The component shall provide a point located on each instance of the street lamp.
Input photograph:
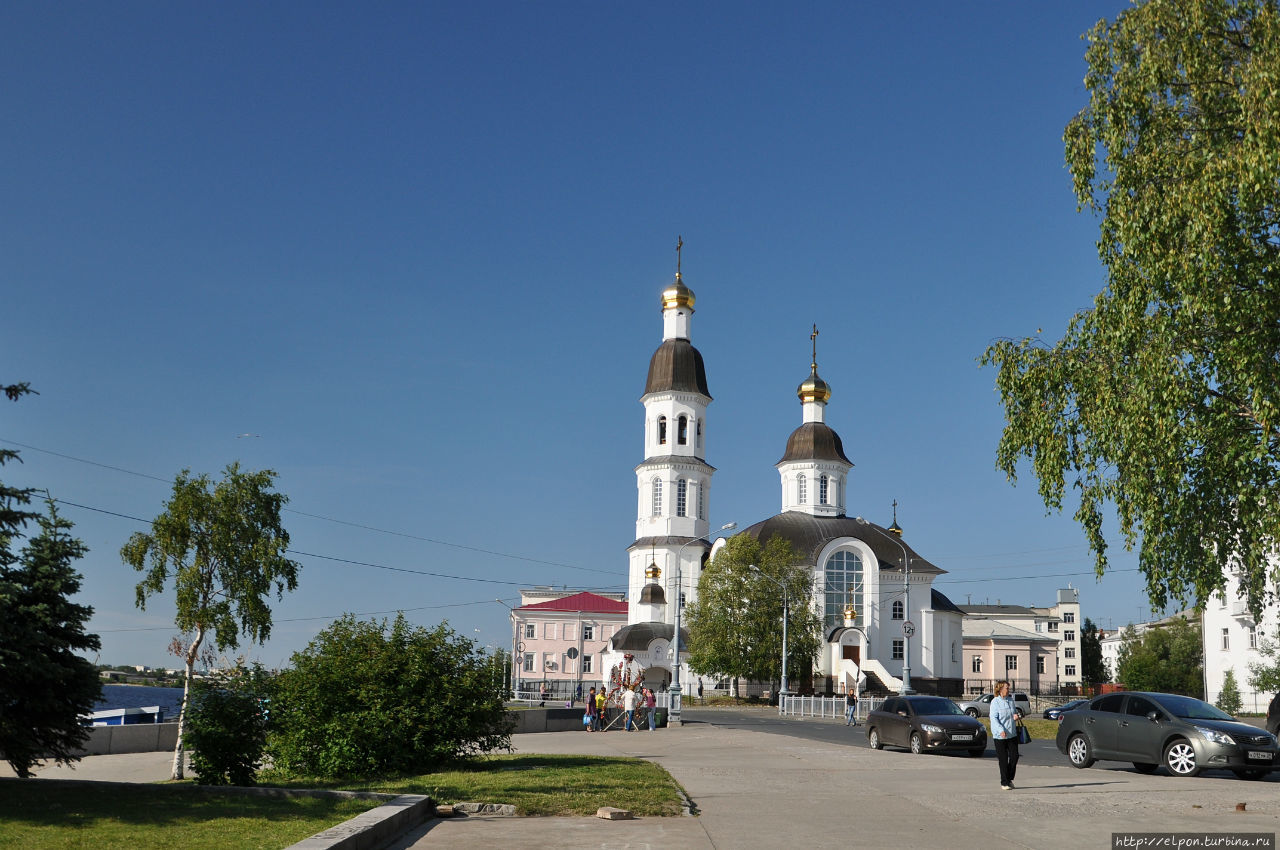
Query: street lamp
(906, 568)
(515, 684)
(786, 606)
(674, 718)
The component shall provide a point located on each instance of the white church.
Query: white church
(900, 625)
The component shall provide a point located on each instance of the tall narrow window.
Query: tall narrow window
(1040, 664)
(682, 497)
(898, 609)
(840, 492)
(898, 650)
(657, 497)
(699, 431)
(1011, 662)
(662, 430)
(822, 489)
(1253, 637)
(977, 663)
(802, 494)
(1226, 638)
(682, 430)
(588, 632)
(586, 664)
(701, 511)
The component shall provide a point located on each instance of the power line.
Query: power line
(308, 619)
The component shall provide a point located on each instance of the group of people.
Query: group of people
(593, 719)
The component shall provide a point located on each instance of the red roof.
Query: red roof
(584, 601)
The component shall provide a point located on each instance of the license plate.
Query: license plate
(1261, 756)
(970, 738)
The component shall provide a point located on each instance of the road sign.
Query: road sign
(908, 628)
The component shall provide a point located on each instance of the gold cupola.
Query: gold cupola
(677, 294)
(814, 388)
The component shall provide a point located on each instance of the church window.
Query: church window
(802, 495)
(657, 497)
(701, 512)
(898, 609)
(977, 664)
(899, 650)
(682, 600)
(682, 497)
(822, 490)
(682, 430)
(954, 657)
(662, 430)
(699, 430)
(840, 492)
(842, 578)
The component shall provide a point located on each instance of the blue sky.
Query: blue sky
(417, 249)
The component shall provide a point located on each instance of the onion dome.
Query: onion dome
(677, 295)
(653, 594)
(678, 366)
(814, 388)
(895, 528)
(653, 572)
(815, 441)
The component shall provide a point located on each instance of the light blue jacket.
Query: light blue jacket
(1002, 718)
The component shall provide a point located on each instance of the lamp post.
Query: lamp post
(786, 611)
(673, 716)
(906, 570)
(515, 687)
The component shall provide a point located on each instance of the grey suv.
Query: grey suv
(981, 707)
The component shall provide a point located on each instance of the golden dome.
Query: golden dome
(677, 295)
(814, 388)
(653, 571)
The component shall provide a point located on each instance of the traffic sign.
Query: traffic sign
(908, 628)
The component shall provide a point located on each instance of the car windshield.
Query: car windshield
(935, 705)
(1192, 709)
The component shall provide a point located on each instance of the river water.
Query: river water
(138, 696)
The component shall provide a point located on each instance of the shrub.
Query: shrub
(226, 727)
(365, 699)
(1229, 699)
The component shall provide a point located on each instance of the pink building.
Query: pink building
(560, 638)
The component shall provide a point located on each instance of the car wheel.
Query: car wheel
(873, 739)
(917, 743)
(972, 712)
(1145, 767)
(1180, 758)
(1251, 773)
(977, 753)
(1080, 751)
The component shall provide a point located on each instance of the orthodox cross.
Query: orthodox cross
(679, 245)
(814, 336)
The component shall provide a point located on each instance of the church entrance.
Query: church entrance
(659, 679)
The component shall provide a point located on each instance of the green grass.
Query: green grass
(44, 814)
(1040, 729)
(534, 784)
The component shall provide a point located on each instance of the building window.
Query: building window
(954, 657)
(530, 631)
(1226, 639)
(1053, 626)
(586, 664)
(662, 430)
(682, 497)
(898, 652)
(528, 662)
(822, 489)
(1070, 670)
(1039, 626)
(1253, 637)
(802, 492)
(977, 664)
(1011, 662)
(1040, 664)
(842, 578)
(657, 497)
(1069, 635)
(682, 600)
(549, 631)
(1069, 617)
(1069, 652)
(698, 430)
(682, 430)
(701, 513)
(898, 610)
(588, 632)
(840, 492)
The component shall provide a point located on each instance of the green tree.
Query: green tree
(1167, 657)
(363, 699)
(1264, 675)
(735, 627)
(1092, 668)
(1163, 399)
(227, 725)
(224, 547)
(45, 686)
(1229, 699)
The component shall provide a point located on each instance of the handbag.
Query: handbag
(1024, 737)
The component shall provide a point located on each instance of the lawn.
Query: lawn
(44, 814)
(534, 784)
(1040, 729)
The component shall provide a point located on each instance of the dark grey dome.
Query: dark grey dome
(653, 594)
(677, 365)
(637, 636)
(809, 534)
(815, 441)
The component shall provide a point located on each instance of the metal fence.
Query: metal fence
(833, 707)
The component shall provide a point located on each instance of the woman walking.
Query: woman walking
(851, 706)
(1004, 730)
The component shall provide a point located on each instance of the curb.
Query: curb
(373, 828)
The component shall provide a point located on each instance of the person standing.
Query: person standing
(651, 706)
(1004, 731)
(699, 690)
(591, 710)
(851, 706)
(542, 695)
(629, 708)
(600, 710)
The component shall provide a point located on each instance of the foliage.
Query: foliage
(224, 546)
(1229, 699)
(45, 686)
(227, 721)
(364, 699)
(735, 626)
(1264, 675)
(1163, 399)
(1168, 658)
(1092, 667)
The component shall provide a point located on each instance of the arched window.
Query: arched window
(842, 578)
(977, 663)
(898, 610)
(682, 430)
(682, 497)
(657, 497)
(662, 430)
(822, 490)
(802, 494)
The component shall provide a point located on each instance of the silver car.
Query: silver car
(981, 707)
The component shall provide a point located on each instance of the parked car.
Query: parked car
(923, 723)
(1186, 735)
(1054, 712)
(981, 707)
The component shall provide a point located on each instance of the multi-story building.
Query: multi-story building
(559, 637)
(1070, 647)
(1049, 638)
(1232, 638)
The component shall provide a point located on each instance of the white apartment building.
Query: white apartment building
(1231, 640)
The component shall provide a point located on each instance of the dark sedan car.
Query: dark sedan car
(1185, 735)
(923, 723)
(1055, 712)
